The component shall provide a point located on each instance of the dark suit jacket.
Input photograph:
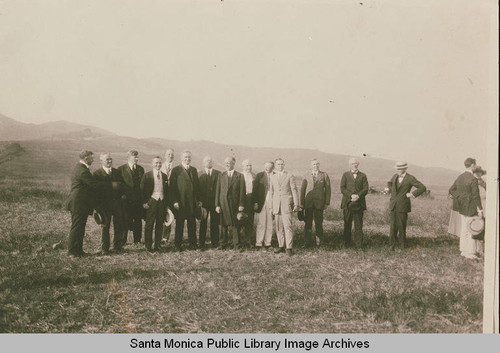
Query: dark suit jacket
(315, 194)
(207, 188)
(399, 202)
(261, 185)
(106, 194)
(148, 185)
(83, 190)
(229, 195)
(184, 189)
(132, 185)
(350, 186)
(465, 192)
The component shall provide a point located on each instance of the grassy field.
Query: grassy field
(426, 288)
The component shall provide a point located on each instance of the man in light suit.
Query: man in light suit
(400, 204)
(229, 201)
(81, 202)
(184, 187)
(110, 202)
(263, 206)
(154, 189)
(248, 226)
(467, 199)
(166, 168)
(354, 188)
(208, 183)
(285, 201)
(315, 195)
(132, 174)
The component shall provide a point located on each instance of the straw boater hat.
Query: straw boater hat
(475, 225)
(169, 219)
(99, 216)
(401, 165)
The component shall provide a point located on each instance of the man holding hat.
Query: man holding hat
(354, 187)
(81, 202)
(154, 189)
(208, 182)
(400, 204)
(465, 191)
(315, 195)
(132, 174)
(229, 202)
(110, 202)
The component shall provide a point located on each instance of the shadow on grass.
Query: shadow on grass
(334, 240)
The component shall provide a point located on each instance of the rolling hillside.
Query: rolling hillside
(60, 143)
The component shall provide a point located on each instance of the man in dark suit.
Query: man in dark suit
(354, 187)
(229, 201)
(248, 227)
(184, 189)
(263, 206)
(208, 183)
(132, 174)
(166, 168)
(315, 195)
(81, 202)
(400, 204)
(154, 189)
(110, 203)
(467, 200)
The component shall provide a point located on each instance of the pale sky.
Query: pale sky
(393, 79)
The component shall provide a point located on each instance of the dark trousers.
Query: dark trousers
(398, 225)
(115, 214)
(309, 215)
(77, 232)
(357, 217)
(230, 236)
(214, 228)
(133, 220)
(249, 227)
(155, 215)
(179, 231)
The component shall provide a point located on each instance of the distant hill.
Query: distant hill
(13, 130)
(63, 146)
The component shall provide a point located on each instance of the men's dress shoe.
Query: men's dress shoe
(73, 256)
(258, 248)
(289, 252)
(269, 248)
(103, 253)
(279, 250)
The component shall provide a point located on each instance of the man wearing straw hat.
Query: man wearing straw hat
(399, 205)
(465, 191)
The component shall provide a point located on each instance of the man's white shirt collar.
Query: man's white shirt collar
(186, 166)
(85, 164)
(131, 166)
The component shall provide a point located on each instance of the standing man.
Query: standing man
(81, 202)
(184, 189)
(315, 195)
(465, 191)
(400, 204)
(354, 188)
(248, 226)
(285, 200)
(208, 183)
(154, 186)
(166, 168)
(132, 174)
(229, 200)
(110, 201)
(263, 206)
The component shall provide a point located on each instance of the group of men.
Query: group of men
(243, 208)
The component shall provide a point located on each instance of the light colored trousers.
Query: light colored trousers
(284, 230)
(264, 221)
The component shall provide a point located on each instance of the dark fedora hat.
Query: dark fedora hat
(100, 216)
(301, 215)
(242, 217)
(201, 213)
(354, 206)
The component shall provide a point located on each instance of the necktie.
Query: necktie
(314, 177)
(158, 175)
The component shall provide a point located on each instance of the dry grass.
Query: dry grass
(427, 288)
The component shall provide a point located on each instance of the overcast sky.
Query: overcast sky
(393, 79)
